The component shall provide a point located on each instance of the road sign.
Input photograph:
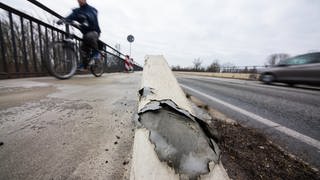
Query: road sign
(130, 38)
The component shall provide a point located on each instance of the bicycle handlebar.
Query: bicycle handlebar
(75, 24)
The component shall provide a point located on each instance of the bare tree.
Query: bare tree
(214, 66)
(274, 59)
(197, 64)
(176, 68)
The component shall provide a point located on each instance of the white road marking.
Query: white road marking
(306, 139)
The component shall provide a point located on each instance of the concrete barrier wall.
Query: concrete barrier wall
(158, 77)
(170, 142)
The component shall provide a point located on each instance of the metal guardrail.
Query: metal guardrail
(24, 39)
(225, 69)
(241, 69)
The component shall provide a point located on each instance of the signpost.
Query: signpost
(130, 38)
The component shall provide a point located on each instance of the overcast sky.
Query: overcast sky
(242, 32)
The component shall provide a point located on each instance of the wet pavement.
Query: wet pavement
(72, 129)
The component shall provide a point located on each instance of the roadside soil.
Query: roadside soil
(248, 154)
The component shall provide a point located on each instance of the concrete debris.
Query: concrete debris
(179, 138)
(136, 121)
(144, 92)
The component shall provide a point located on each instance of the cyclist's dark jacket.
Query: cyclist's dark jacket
(85, 13)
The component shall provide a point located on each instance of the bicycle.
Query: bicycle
(62, 56)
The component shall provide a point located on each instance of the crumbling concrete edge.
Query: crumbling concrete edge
(144, 154)
(154, 105)
(145, 162)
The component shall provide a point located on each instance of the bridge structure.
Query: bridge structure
(24, 40)
(86, 127)
(118, 126)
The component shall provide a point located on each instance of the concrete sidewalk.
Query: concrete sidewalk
(73, 129)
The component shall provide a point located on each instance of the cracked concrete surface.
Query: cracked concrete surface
(74, 129)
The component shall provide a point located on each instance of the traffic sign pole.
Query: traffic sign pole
(130, 38)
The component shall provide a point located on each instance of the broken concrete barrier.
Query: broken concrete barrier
(170, 142)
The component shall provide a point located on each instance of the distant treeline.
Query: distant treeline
(215, 66)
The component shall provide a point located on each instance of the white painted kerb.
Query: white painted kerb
(158, 76)
(145, 162)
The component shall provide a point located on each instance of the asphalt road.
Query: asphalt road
(289, 116)
(79, 128)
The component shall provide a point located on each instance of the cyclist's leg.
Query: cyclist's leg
(91, 38)
(84, 53)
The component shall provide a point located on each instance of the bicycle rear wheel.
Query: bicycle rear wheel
(61, 61)
(97, 69)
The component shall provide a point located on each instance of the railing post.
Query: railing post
(15, 55)
(5, 68)
(33, 48)
(25, 60)
(67, 28)
(40, 48)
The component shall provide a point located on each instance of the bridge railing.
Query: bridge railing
(223, 69)
(242, 69)
(24, 39)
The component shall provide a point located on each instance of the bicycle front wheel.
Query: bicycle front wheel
(97, 69)
(61, 60)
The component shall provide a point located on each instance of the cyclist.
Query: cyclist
(86, 15)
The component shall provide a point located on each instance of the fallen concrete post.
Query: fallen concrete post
(170, 142)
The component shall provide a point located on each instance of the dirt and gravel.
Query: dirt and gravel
(248, 154)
